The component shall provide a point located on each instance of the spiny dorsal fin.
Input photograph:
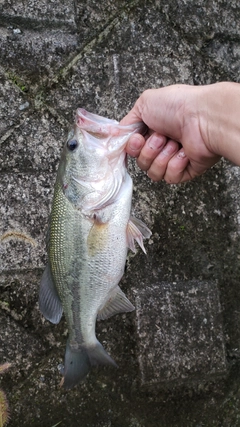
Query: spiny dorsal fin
(117, 303)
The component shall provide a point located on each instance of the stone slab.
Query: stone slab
(202, 20)
(12, 105)
(33, 145)
(180, 333)
(20, 52)
(26, 339)
(53, 11)
(109, 53)
(25, 206)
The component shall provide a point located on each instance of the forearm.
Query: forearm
(219, 119)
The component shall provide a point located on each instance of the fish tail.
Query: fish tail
(78, 363)
(76, 366)
(99, 356)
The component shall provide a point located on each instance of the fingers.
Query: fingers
(178, 169)
(161, 158)
(135, 145)
(159, 165)
(153, 146)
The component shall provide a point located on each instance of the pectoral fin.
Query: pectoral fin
(136, 230)
(49, 301)
(116, 303)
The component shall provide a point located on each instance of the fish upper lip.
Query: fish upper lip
(81, 112)
(103, 126)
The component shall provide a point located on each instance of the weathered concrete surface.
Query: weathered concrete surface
(186, 342)
(179, 353)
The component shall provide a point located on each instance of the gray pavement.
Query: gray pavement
(179, 352)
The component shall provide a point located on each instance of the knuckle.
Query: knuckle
(156, 174)
(154, 177)
(161, 162)
(143, 164)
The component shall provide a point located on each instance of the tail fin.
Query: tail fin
(99, 356)
(78, 363)
(76, 366)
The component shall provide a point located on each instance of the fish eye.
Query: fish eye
(72, 144)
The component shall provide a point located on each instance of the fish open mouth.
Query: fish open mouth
(102, 127)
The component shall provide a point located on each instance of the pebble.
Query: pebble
(24, 106)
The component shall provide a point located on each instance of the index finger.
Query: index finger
(135, 144)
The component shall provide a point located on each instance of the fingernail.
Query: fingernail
(181, 155)
(155, 142)
(168, 149)
(135, 143)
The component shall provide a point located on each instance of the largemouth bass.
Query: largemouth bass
(89, 234)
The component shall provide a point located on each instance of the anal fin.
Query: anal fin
(117, 303)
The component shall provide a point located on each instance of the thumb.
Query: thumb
(134, 116)
(161, 110)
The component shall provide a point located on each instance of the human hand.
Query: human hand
(176, 147)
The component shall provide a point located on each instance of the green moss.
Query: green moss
(17, 81)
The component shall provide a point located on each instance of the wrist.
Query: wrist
(219, 119)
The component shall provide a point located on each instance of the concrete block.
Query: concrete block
(19, 43)
(11, 104)
(203, 20)
(25, 207)
(33, 146)
(180, 333)
(48, 12)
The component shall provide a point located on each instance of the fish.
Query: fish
(90, 232)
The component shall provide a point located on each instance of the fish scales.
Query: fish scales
(89, 234)
(92, 269)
